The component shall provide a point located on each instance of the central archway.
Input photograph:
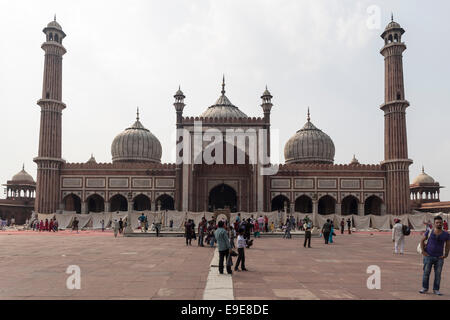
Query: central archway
(222, 197)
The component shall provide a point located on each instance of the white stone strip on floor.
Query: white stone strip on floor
(218, 286)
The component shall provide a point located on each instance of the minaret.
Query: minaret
(49, 155)
(179, 107)
(396, 160)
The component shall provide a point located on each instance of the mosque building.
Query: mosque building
(309, 181)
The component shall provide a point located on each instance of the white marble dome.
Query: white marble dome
(22, 176)
(136, 144)
(423, 178)
(309, 145)
(223, 108)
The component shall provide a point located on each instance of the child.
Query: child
(241, 243)
(272, 227)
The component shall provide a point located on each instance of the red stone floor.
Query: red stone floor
(284, 269)
(33, 266)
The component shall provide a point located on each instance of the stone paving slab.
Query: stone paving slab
(33, 265)
(284, 269)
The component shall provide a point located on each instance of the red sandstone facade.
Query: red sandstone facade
(315, 188)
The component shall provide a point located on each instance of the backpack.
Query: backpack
(406, 230)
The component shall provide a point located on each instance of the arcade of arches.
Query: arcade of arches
(328, 205)
(222, 197)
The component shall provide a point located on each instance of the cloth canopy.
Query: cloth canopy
(381, 222)
(361, 222)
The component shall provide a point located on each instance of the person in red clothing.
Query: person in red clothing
(51, 225)
(41, 226)
(445, 225)
(46, 225)
(256, 229)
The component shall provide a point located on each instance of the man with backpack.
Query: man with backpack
(398, 236)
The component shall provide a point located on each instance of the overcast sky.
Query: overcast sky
(322, 54)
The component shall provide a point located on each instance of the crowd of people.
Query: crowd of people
(40, 226)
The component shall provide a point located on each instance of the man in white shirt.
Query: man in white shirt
(241, 243)
(398, 237)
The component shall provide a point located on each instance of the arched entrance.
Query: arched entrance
(118, 203)
(141, 203)
(72, 203)
(303, 204)
(349, 205)
(279, 202)
(166, 202)
(222, 197)
(95, 203)
(327, 205)
(372, 205)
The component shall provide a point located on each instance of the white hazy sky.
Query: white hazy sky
(322, 54)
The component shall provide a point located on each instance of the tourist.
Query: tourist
(121, 226)
(146, 224)
(307, 226)
(142, 222)
(326, 229)
(223, 245)
(287, 232)
(433, 254)
(232, 235)
(201, 231)
(50, 227)
(193, 235)
(272, 227)
(75, 224)
(116, 227)
(13, 221)
(261, 222)
(248, 229)
(241, 244)
(292, 221)
(398, 237)
(266, 223)
(331, 232)
(445, 225)
(238, 218)
(46, 225)
(103, 225)
(256, 228)
(342, 226)
(158, 222)
(188, 232)
(55, 226)
(171, 224)
(349, 225)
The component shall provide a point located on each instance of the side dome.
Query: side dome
(22, 176)
(223, 108)
(423, 178)
(309, 145)
(136, 144)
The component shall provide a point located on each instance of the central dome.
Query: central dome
(136, 144)
(223, 108)
(309, 145)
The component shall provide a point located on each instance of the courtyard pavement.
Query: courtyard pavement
(33, 266)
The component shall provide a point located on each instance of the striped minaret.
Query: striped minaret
(396, 160)
(49, 154)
